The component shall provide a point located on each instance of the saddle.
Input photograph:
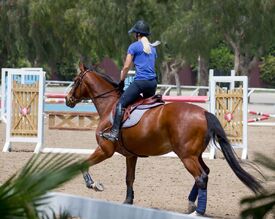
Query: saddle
(135, 111)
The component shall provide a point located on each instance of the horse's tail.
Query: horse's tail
(216, 132)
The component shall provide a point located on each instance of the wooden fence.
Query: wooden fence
(73, 120)
(24, 117)
(229, 111)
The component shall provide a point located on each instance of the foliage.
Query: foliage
(195, 31)
(11, 42)
(187, 34)
(259, 206)
(24, 192)
(268, 70)
(57, 34)
(221, 59)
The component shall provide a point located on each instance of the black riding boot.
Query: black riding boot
(114, 133)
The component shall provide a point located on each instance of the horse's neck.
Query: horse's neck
(105, 105)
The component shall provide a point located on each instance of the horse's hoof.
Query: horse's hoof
(191, 207)
(196, 214)
(98, 186)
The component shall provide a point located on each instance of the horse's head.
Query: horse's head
(89, 84)
(79, 90)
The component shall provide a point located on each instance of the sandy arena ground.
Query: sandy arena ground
(161, 182)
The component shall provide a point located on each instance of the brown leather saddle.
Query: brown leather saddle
(142, 105)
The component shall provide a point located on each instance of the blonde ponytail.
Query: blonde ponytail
(146, 45)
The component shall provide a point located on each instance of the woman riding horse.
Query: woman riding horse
(143, 54)
(183, 128)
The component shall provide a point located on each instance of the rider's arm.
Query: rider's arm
(126, 67)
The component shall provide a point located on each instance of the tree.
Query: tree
(51, 33)
(246, 26)
(56, 34)
(198, 27)
(191, 37)
(112, 38)
(12, 43)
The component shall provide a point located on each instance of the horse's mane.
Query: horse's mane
(106, 78)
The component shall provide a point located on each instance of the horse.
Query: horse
(186, 129)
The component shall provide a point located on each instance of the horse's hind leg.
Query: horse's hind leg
(195, 189)
(204, 166)
(199, 190)
(192, 198)
(130, 178)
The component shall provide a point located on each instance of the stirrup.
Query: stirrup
(110, 136)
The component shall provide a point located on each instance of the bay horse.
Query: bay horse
(183, 128)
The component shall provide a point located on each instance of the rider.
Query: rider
(143, 54)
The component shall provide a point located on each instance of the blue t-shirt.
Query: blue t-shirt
(144, 63)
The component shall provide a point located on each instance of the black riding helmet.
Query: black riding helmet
(140, 27)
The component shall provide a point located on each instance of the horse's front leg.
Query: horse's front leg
(130, 178)
(98, 156)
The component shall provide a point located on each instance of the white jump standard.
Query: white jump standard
(24, 119)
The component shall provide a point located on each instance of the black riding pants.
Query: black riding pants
(145, 87)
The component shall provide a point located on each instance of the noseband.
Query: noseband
(78, 81)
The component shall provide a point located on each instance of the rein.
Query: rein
(79, 80)
(102, 95)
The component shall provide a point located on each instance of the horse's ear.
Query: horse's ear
(82, 67)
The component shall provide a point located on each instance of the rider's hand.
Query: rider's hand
(121, 85)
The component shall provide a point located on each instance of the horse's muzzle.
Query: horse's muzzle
(70, 101)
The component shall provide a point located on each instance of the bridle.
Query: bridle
(78, 81)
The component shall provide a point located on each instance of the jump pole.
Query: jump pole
(265, 116)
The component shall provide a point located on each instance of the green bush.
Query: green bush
(267, 69)
(221, 59)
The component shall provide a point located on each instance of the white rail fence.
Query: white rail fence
(193, 91)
